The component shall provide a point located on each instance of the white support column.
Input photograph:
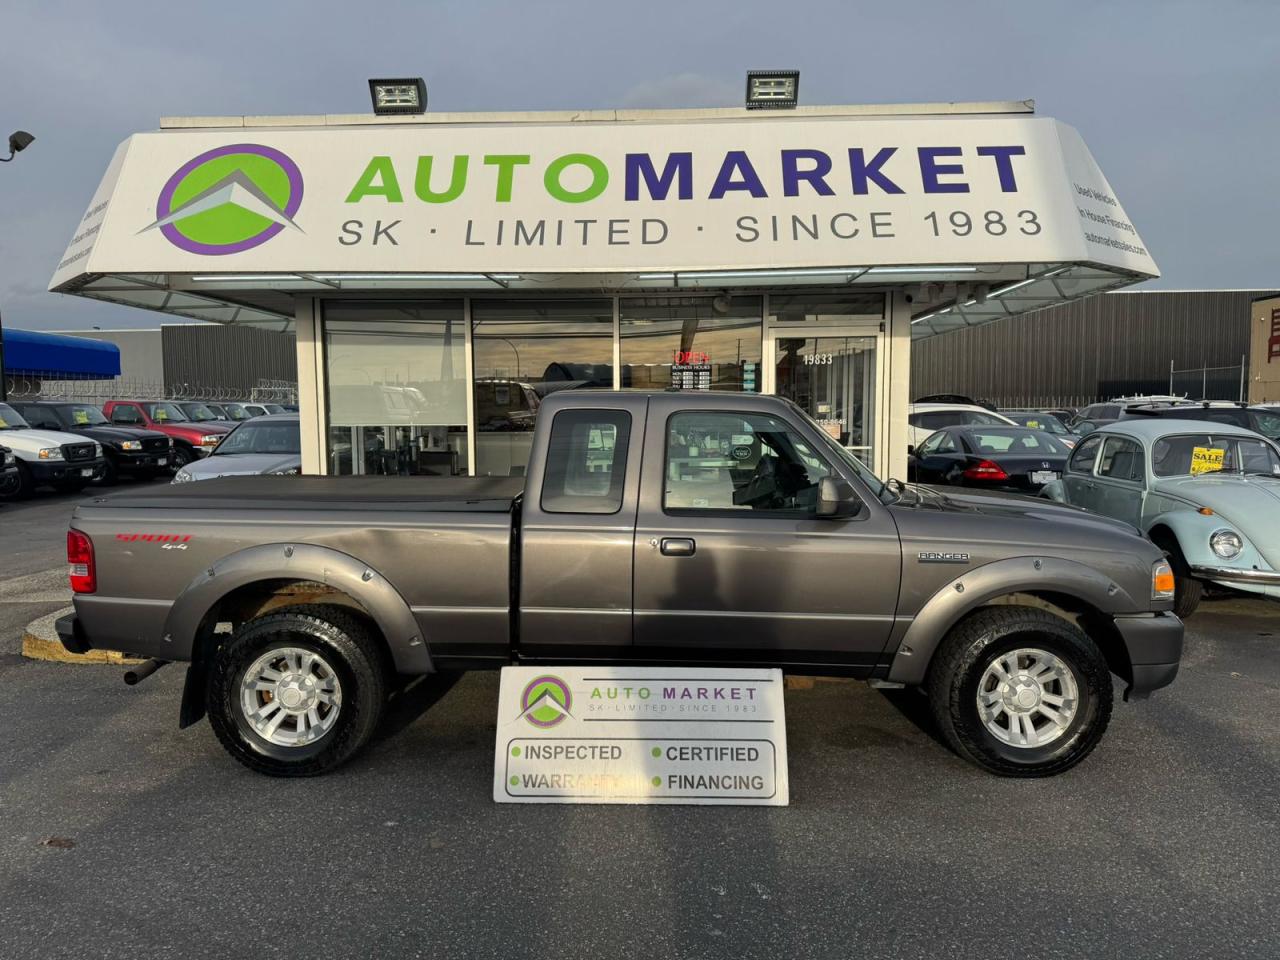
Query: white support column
(310, 385)
(896, 391)
(468, 353)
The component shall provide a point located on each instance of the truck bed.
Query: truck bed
(437, 494)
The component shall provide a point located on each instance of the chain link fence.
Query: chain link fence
(57, 386)
(1210, 383)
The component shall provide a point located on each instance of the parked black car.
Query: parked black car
(1013, 459)
(130, 451)
(1263, 420)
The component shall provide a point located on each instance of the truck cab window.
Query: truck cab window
(586, 462)
(740, 462)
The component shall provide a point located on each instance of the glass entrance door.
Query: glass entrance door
(832, 377)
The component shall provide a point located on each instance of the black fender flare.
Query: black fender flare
(978, 586)
(304, 562)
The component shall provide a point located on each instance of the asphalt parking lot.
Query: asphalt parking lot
(121, 836)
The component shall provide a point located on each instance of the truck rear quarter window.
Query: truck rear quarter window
(586, 462)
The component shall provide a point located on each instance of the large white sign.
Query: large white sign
(640, 735)
(605, 197)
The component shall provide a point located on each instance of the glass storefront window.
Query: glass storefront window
(397, 382)
(524, 350)
(699, 343)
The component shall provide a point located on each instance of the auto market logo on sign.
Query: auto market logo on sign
(229, 199)
(545, 702)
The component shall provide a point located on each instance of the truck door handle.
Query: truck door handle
(677, 547)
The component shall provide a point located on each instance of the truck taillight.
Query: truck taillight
(84, 578)
(986, 470)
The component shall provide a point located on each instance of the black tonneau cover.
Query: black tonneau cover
(438, 494)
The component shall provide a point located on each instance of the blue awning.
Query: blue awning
(49, 355)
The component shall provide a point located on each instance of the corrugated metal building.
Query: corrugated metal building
(1116, 344)
(200, 360)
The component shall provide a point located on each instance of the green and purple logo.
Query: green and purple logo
(546, 701)
(229, 199)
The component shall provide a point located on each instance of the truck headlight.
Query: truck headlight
(1226, 544)
(50, 453)
(182, 477)
(131, 445)
(97, 450)
(210, 440)
(1162, 585)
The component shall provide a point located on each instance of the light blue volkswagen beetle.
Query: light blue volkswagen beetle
(1207, 494)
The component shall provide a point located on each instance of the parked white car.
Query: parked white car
(64, 461)
(923, 419)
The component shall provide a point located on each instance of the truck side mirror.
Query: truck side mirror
(911, 449)
(837, 499)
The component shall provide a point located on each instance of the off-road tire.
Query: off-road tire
(182, 455)
(19, 487)
(346, 643)
(963, 657)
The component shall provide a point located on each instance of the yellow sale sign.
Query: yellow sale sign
(1206, 460)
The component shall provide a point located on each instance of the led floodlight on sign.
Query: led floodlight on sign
(772, 89)
(406, 95)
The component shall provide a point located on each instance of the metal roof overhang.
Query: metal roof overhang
(956, 279)
(944, 298)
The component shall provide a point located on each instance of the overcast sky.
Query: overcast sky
(1177, 100)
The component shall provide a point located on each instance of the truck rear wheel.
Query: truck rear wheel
(297, 692)
(1020, 692)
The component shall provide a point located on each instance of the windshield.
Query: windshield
(10, 419)
(165, 412)
(937, 419)
(1013, 440)
(279, 438)
(1040, 421)
(198, 412)
(235, 411)
(1198, 454)
(1267, 424)
(846, 456)
(81, 415)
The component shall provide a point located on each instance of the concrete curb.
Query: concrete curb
(40, 642)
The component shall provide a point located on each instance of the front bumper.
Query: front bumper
(139, 461)
(1256, 578)
(72, 634)
(1154, 645)
(60, 471)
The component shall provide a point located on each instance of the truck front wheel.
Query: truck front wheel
(297, 692)
(1020, 692)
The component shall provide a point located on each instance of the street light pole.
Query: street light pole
(19, 140)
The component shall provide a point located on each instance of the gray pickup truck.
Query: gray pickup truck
(671, 528)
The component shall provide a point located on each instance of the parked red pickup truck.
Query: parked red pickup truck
(191, 440)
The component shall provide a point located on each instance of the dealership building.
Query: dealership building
(443, 273)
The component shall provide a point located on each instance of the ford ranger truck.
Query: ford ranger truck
(663, 529)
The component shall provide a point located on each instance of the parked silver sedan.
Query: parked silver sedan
(263, 445)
